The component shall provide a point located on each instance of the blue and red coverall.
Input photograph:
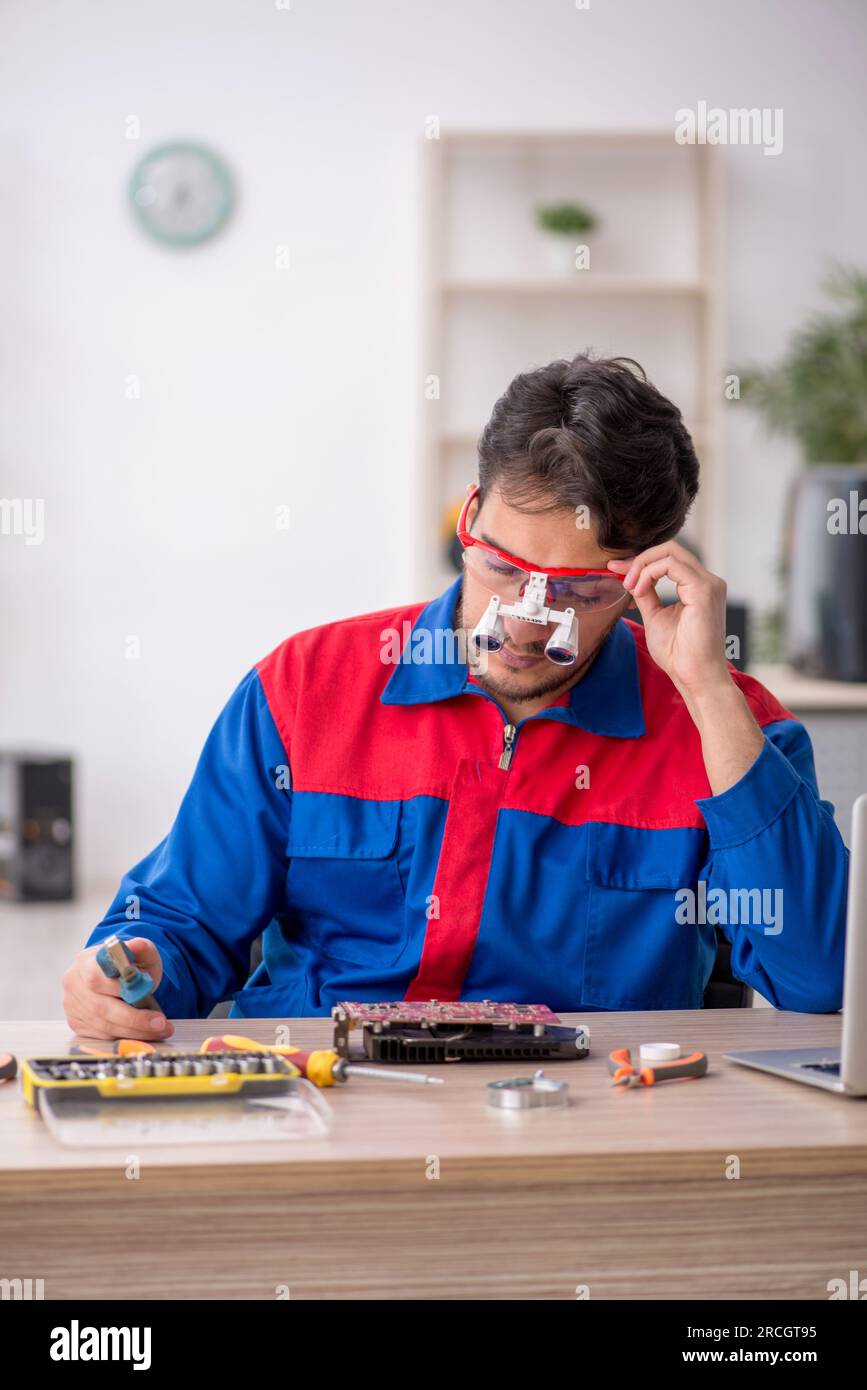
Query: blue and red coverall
(355, 813)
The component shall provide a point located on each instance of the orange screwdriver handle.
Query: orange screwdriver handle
(320, 1067)
(233, 1042)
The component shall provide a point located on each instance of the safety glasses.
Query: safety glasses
(584, 590)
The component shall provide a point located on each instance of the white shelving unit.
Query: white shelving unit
(491, 308)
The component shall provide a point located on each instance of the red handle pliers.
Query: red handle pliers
(625, 1074)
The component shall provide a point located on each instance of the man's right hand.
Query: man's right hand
(92, 1002)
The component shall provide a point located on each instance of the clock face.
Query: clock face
(182, 194)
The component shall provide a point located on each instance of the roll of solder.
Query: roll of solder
(659, 1052)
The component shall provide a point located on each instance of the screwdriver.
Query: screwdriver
(323, 1067)
(123, 1047)
(114, 959)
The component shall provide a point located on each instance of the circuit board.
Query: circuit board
(464, 1030)
(415, 1014)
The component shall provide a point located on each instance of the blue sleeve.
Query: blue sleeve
(771, 835)
(214, 883)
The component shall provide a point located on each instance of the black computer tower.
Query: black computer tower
(36, 835)
(826, 563)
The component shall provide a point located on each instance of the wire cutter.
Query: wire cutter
(625, 1074)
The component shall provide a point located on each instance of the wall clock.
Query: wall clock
(182, 193)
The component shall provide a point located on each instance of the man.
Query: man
(522, 824)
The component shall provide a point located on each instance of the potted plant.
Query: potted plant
(564, 225)
(818, 393)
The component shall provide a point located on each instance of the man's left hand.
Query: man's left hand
(686, 639)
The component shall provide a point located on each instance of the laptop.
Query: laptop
(842, 1069)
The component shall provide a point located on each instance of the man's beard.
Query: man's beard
(554, 682)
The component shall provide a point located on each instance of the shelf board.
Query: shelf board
(581, 283)
(801, 694)
(661, 138)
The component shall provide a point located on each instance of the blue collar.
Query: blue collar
(605, 701)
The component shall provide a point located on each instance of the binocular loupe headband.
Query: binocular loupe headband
(489, 634)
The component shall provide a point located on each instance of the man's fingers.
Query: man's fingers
(146, 956)
(648, 604)
(684, 576)
(95, 980)
(145, 952)
(100, 1016)
(93, 1004)
(115, 1019)
(128, 1022)
(671, 549)
(656, 552)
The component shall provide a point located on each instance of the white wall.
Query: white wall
(262, 387)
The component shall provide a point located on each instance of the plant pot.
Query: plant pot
(826, 561)
(559, 249)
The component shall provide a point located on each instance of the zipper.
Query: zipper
(509, 734)
(510, 731)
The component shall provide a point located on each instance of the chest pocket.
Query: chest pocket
(344, 892)
(638, 954)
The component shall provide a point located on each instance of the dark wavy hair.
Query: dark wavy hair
(592, 432)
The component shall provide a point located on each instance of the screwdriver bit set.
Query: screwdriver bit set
(160, 1075)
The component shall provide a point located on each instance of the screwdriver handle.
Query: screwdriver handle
(114, 959)
(322, 1067)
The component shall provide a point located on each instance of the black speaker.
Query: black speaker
(826, 554)
(36, 841)
(737, 631)
(737, 635)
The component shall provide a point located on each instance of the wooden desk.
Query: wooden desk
(624, 1191)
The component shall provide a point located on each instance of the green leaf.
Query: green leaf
(818, 391)
(566, 218)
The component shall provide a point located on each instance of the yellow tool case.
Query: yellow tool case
(156, 1075)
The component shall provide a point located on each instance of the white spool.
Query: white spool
(659, 1052)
